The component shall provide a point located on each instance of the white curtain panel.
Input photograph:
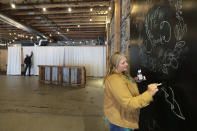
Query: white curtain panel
(93, 58)
(49, 56)
(14, 60)
(27, 51)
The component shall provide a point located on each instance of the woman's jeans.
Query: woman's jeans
(115, 127)
(118, 128)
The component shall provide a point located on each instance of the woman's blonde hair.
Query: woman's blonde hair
(113, 64)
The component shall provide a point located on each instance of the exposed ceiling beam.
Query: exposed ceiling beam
(64, 24)
(66, 21)
(56, 20)
(37, 17)
(61, 5)
(69, 26)
(65, 11)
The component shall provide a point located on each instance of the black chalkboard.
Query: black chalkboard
(163, 45)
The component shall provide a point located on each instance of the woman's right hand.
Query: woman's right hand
(152, 88)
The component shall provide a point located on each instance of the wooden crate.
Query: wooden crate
(63, 75)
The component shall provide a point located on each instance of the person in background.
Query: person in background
(27, 62)
(122, 101)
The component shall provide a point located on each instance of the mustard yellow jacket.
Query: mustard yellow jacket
(122, 101)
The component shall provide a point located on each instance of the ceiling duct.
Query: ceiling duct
(20, 26)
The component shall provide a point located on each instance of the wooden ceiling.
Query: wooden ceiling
(86, 20)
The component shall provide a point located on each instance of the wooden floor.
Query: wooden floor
(27, 105)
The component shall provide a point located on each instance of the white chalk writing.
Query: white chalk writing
(174, 106)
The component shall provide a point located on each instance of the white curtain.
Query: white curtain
(45, 56)
(93, 58)
(50, 55)
(14, 60)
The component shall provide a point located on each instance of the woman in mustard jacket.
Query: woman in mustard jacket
(122, 101)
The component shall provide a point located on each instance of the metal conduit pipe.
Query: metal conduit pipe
(20, 26)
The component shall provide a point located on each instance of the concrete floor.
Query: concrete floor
(27, 105)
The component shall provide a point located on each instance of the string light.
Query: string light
(44, 9)
(69, 9)
(13, 5)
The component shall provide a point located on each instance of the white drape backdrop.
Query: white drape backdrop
(93, 58)
(48, 56)
(14, 61)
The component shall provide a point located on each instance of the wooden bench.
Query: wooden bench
(62, 75)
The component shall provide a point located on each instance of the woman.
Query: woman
(122, 101)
